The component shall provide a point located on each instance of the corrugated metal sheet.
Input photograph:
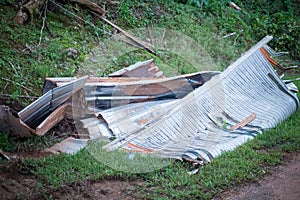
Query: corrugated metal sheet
(173, 117)
(133, 117)
(104, 93)
(97, 128)
(198, 126)
(38, 111)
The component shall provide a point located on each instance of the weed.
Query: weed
(6, 143)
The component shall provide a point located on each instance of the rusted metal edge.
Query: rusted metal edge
(140, 69)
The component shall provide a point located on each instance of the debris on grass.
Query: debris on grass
(233, 5)
(3, 154)
(193, 117)
(193, 127)
(141, 69)
(10, 123)
(41, 115)
(69, 145)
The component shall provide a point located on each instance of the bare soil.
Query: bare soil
(17, 185)
(282, 183)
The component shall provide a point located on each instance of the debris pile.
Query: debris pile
(138, 109)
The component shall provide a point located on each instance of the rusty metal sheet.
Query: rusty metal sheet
(103, 93)
(138, 70)
(51, 83)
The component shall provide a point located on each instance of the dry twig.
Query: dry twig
(22, 86)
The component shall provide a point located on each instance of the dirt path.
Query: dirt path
(282, 183)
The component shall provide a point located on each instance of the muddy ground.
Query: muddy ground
(283, 182)
(15, 185)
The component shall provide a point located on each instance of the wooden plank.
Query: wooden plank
(140, 70)
(244, 122)
(55, 117)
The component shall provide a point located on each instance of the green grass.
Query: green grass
(206, 27)
(32, 144)
(246, 163)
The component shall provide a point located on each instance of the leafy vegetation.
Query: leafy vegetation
(257, 19)
(26, 61)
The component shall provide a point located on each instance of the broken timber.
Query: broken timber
(145, 45)
(141, 69)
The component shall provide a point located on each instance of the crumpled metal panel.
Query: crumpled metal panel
(34, 114)
(103, 95)
(199, 125)
(69, 146)
(97, 128)
(133, 117)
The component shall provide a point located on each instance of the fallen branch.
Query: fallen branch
(3, 154)
(230, 34)
(90, 5)
(26, 11)
(13, 67)
(150, 35)
(233, 5)
(44, 22)
(19, 96)
(143, 44)
(22, 86)
(25, 14)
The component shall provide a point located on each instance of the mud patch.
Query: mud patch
(282, 183)
(114, 189)
(18, 183)
(14, 185)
